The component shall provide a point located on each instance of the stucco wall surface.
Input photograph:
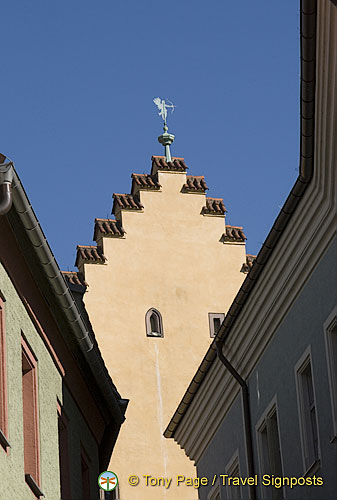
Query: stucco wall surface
(80, 440)
(13, 483)
(228, 442)
(171, 259)
(274, 375)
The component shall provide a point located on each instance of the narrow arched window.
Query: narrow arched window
(154, 323)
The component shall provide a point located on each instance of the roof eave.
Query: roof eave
(65, 300)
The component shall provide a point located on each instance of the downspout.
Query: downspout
(6, 178)
(246, 415)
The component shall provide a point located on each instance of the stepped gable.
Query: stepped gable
(159, 163)
(90, 254)
(233, 234)
(246, 267)
(109, 228)
(195, 184)
(126, 202)
(74, 278)
(214, 206)
(144, 181)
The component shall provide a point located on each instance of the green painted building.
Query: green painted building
(60, 413)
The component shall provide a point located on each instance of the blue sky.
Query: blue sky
(77, 117)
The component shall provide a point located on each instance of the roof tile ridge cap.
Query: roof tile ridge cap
(164, 157)
(235, 227)
(111, 220)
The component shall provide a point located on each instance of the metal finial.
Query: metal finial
(165, 139)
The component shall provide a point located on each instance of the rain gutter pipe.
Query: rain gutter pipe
(246, 415)
(64, 297)
(6, 178)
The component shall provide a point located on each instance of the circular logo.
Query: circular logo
(107, 481)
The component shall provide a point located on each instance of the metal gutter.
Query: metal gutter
(64, 297)
(308, 10)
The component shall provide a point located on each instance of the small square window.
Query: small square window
(215, 321)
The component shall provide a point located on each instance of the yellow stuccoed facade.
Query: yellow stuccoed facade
(171, 258)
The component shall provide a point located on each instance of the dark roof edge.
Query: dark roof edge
(65, 300)
(308, 21)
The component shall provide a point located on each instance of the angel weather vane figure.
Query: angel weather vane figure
(163, 107)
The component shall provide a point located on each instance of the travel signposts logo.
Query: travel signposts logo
(107, 481)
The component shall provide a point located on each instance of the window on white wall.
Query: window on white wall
(270, 460)
(307, 411)
(330, 328)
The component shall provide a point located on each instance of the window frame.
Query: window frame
(211, 318)
(233, 463)
(31, 461)
(214, 491)
(64, 459)
(330, 329)
(302, 364)
(148, 327)
(270, 410)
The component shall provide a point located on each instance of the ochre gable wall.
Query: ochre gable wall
(171, 257)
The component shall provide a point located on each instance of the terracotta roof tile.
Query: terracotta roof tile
(177, 164)
(195, 184)
(108, 227)
(246, 267)
(126, 202)
(144, 181)
(74, 278)
(233, 234)
(214, 206)
(90, 253)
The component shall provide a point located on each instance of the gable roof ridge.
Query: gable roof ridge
(74, 278)
(233, 234)
(125, 201)
(214, 206)
(108, 227)
(91, 254)
(159, 163)
(195, 184)
(144, 182)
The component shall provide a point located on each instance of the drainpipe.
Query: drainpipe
(246, 414)
(6, 178)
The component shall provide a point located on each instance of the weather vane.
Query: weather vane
(163, 107)
(165, 139)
